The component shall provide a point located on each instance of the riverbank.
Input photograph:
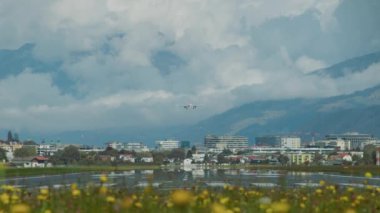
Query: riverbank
(22, 172)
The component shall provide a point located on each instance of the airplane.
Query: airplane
(190, 106)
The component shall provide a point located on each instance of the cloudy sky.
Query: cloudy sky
(132, 63)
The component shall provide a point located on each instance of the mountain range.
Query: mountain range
(359, 112)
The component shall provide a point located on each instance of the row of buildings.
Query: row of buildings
(130, 146)
(346, 141)
(266, 148)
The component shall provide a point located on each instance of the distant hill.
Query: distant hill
(359, 111)
(357, 64)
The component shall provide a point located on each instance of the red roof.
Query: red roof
(40, 158)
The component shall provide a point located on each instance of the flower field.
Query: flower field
(324, 198)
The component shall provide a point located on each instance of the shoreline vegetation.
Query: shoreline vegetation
(227, 199)
(9, 172)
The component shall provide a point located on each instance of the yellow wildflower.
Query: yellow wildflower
(344, 198)
(41, 197)
(169, 204)
(368, 175)
(75, 193)
(127, 202)
(110, 199)
(318, 191)
(322, 182)
(20, 208)
(103, 178)
(8, 188)
(181, 197)
(224, 200)
(14, 198)
(4, 198)
(103, 190)
(44, 191)
(350, 211)
(138, 205)
(302, 205)
(74, 186)
(218, 208)
(204, 194)
(48, 211)
(280, 207)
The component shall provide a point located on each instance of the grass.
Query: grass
(230, 199)
(22, 172)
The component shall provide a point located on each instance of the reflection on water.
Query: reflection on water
(169, 179)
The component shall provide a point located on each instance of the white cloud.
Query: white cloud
(29, 88)
(326, 9)
(307, 64)
(106, 48)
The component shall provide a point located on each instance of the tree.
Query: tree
(70, 154)
(56, 158)
(110, 152)
(206, 159)
(16, 138)
(177, 154)
(189, 154)
(357, 160)
(127, 152)
(227, 152)
(3, 154)
(221, 158)
(242, 152)
(194, 149)
(318, 158)
(369, 154)
(158, 157)
(25, 151)
(283, 159)
(10, 137)
(29, 142)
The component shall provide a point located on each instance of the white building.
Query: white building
(300, 158)
(339, 143)
(342, 144)
(47, 149)
(198, 158)
(290, 142)
(187, 161)
(115, 145)
(357, 140)
(147, 160)
(226, 142)
(127, 158)
(167, 144)
(136, 146)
